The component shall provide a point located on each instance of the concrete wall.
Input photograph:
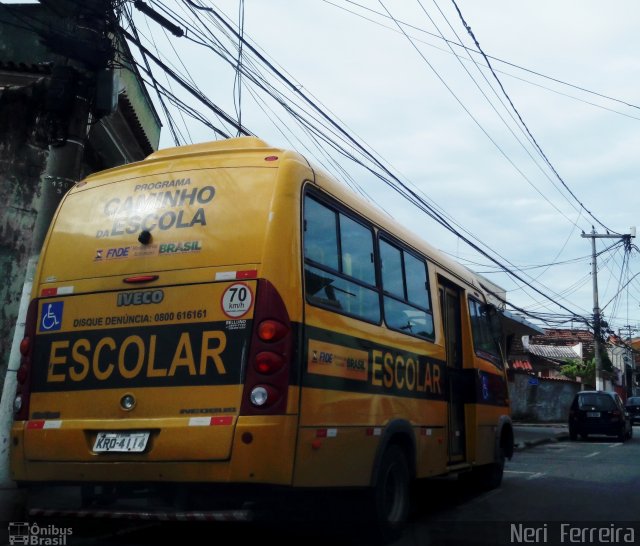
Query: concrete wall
(22, 160)
(539, 399)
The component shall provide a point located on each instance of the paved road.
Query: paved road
(585, 484)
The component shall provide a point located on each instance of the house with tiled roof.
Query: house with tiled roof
(544, 355)
(538, 389)
(560, 337)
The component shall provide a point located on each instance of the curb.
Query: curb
(539, 425)
(527, 444)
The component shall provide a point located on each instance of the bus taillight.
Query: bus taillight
(267, 378)
(271, 330)
(25, 345)
(23, 389)
(268, 362)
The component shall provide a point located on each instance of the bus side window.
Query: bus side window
(357, 250)
(339, 267)
(320, 237)
(407, 306)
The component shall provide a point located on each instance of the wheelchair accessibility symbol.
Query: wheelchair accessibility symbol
(51, 316)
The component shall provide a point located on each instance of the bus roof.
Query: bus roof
(249, 145)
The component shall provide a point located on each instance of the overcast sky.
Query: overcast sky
(430, 120)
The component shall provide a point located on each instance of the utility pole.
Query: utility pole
(596, 306)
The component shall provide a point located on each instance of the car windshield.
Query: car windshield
(633, 401)
(600, 402)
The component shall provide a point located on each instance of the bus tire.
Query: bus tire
(489, 476)
(391, 494)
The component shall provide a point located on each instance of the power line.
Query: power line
(407, 193)
(538, 266)
(477, 123)
(475, 40)
(238, 80)
(342, 134)
(527, 135)
(168, 117)
(198, 95)
(508, 63)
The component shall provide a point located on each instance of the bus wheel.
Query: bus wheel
(391, 493)
(489, 476)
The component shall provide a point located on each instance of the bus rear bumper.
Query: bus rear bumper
(153, 501)
(262, 452)
(145, 515)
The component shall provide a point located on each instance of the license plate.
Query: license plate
(593, 414)
(121, 442)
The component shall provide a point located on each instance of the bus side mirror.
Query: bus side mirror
(490, 312)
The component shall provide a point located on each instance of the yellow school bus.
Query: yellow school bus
(227, 317)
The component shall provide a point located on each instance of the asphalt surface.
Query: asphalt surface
(530, 435)
(580, 492)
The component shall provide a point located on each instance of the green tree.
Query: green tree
(574, 368)
(586, 371)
